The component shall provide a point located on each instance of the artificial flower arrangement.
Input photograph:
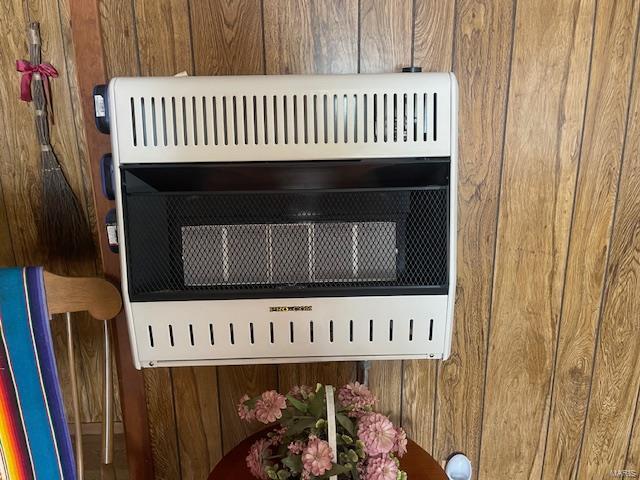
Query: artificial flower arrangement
(367, 444)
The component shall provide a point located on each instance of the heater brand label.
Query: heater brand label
(295, 308)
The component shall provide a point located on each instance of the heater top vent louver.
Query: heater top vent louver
(266, 219)
(253, 118)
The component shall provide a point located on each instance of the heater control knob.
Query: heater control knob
(111, 222)
(107, 176)
(101, 108)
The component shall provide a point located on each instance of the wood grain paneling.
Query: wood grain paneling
(542, 146)
(307, 37)
(385, 35)
(482, 58)
(6, 243)
(162, 423)
(235, 382)
(227, 37)
(548, 76)
(432, 46)
(164, 38)
(616, 378)
(199, 439)
(433, 31)
(118, 38)
(604, 130)
(311, 36)
(385, 46)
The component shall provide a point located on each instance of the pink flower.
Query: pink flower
(381, 468)
(257, 452)
(316, 457)
(296, 447)
(357, 397)
(244, 412)
(301, 392)
(277, 436)
(400, 446)
(377, 432)
(269, 407)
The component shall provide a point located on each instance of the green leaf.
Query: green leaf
(300, 426)
(316, 406)
(346, 423)
(354, 473)
(300, 406)
(293, 462)
(337, 469)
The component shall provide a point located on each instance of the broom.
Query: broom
(63, 224)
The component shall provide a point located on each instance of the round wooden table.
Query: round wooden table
(418, 464)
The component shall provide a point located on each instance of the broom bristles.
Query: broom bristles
(66, 231)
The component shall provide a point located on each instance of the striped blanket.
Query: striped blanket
(34, 437)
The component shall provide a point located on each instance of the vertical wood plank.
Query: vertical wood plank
(385, 35)
(118, 38)
(235, 382)
(199, 438)
(482, 57)
(385, 46)
(604, 130)
(307, 37)
(616, 378)
(164, 38)
(544, 119)
(311, 36)
(227, 37)
(432, 47)
(7, 257)
(163, 433)
(433, 31)
(633, 453)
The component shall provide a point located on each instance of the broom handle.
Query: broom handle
(37, 85)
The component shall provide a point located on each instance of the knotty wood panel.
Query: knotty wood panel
(482, 58)
(604, 131)
(312, 37)
(199, 438)
(544, 120)
(164, 39)
(616, 379)
(235, 382)
(118, 38)
(385, 46)
(433, 45)
(227, 37)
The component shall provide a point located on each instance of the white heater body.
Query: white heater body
(335, 250)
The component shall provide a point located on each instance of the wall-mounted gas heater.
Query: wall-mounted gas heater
(271, 219)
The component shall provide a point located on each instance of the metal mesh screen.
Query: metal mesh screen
(232, 244)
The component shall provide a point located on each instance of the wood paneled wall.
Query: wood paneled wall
(545, 373)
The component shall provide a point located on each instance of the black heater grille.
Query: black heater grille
(286, 243)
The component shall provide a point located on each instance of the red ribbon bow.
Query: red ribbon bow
(45, 70)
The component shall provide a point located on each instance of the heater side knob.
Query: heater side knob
(101, 109)
(412, 69)
(106, 175)
(111, 224)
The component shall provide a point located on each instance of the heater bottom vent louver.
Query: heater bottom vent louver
(235, 331)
